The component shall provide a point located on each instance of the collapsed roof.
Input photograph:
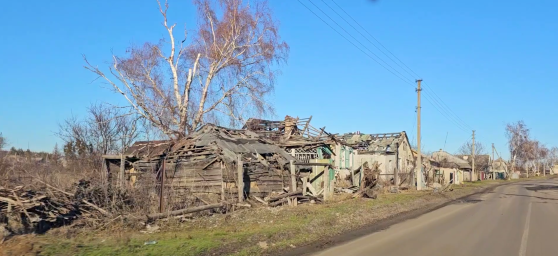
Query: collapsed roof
(209, 141)
(448, 160)
(375, 143)
(291, 132)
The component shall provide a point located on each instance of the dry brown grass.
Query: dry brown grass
(240, 232)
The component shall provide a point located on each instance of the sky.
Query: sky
(483, 64)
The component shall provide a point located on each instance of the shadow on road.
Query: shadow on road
(538, 197)
(542, 188)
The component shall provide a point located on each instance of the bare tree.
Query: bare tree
(552, 157)
(528, 155)
(56, 154)
(543, 158)
(3, 141)
(224, 73)
(481, 163)
(105, 130)
(518, 136)
(467, 148)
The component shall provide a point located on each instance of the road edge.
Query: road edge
(379, 225)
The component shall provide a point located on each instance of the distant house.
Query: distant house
(429, 167)
(390, 151)
(453, 169)
(499, 169)
(482, 166)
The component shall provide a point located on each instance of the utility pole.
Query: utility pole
(492, 163)
(473, 153)
(418, 170)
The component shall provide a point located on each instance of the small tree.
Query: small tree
(3, 141)
(223, 73)
(56, 155)
(466, 149)
(518, 137)
(543, 156)
(105, 130)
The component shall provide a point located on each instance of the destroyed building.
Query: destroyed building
(391, 152)
(310, 146)
(205, 165)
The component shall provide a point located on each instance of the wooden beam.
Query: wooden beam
(293, 179)
(306, 126)
(240, 181)
(293, 175)
(223, 184)
(311, 188)
(210, 163)
(184, 211)
(284, 195)
(262, 159)
(313, 164)
(121, 174)
(304, 185)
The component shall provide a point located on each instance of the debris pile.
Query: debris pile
(289, 198)
(27, 211)
(369, 186)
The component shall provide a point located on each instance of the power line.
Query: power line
(435, 97)
(447, 107)
(428, 98)
(378, 57)
(447, 115)
(375, 39)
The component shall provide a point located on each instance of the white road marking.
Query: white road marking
(523, 248)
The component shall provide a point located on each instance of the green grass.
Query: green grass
(296, 226)
(239, 233)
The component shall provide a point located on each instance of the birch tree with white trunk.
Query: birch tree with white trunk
(222, 72)
(518, 138)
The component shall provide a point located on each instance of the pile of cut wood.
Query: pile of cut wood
(27, 211)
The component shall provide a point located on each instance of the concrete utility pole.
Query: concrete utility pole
(492, 163)
(396, 172)
(419, 155)
(473, 153)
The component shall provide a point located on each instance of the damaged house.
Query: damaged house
(499, 169)
(482, 166)
(429, 169)
(452, 169)
(213, 164)
(390, 152)
(310, 146)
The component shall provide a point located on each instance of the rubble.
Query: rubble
(28, 211)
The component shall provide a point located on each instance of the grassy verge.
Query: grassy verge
(258, 231)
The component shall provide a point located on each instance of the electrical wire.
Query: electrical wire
(427, 97)
(407, 69)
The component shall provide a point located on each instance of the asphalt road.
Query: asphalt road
(515, 219)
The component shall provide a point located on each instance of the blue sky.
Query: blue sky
(491, 62)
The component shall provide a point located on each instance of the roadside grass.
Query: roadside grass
(257, 231)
